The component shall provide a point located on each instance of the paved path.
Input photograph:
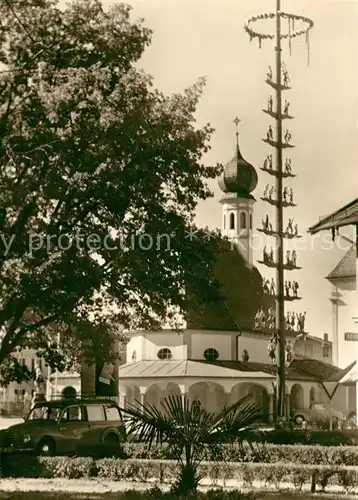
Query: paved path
(106, 486)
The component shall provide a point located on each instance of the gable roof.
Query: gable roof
(346, 268)
(350, 375)
(344, 216)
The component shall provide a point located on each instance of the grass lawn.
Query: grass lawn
(136, 496)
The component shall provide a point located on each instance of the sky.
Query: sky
(194, 38)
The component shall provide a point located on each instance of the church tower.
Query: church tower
(237, 181)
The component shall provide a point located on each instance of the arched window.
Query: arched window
(69, 392)
(232, 221)
(134, 356)
(224, 223)
(312, 395)
(211, 354)
(165, 353)
(242, 220)
(250, 221)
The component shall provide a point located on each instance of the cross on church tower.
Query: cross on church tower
(237, 121)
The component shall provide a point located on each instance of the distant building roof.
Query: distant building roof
(183, 368)
(300, 369)
(344, 216)
(346, 268)
(350, 375)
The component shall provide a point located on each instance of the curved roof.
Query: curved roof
(242, 296)
(238, 176)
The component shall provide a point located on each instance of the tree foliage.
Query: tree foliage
(100, 175)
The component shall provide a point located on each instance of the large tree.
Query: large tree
(100, 175)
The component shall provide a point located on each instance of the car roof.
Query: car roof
(61, 403)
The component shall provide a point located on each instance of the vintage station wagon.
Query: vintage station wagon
(64, 426)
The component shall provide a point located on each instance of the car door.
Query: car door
(114, 419)
(72, 426)
(96, 422)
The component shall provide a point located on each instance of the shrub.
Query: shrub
(273, 474)
(324, 438)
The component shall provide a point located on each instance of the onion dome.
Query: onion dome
(239, 176)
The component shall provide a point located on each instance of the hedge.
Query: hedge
(166, 471)
(267, 453)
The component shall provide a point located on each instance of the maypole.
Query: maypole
(280, 350)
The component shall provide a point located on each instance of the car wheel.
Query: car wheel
(46, 447)
(299, 419)
(111, 439)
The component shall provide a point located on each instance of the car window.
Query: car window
(44, 413)
(95, 413)
(112, 413)
(73, 413)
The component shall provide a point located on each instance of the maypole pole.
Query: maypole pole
(280, 301)
(280, 350)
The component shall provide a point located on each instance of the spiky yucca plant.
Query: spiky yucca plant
(191, 432)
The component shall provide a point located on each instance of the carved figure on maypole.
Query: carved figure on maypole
(271, 192)
(285, 193)
(286, 107)
(271, 348)
(270, 103)
(291, 196)
(287, 137)
(266, 190)
(301, 318)
(269, 74)
(271, 319)
(289, 352)
(260, 319)
(270, 256)
(266, 286)
(295, 287)
(289, 228)
(266, 224)
(264, 254)
(285, 77)
(272, 287)
(294, 258)
(288, 166)
(269, 135)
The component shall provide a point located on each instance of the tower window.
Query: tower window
(242, 220)
(224, 223)
(232, 221)
(250, 221)
(165, 353)
(211, 354)
(134, 356)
